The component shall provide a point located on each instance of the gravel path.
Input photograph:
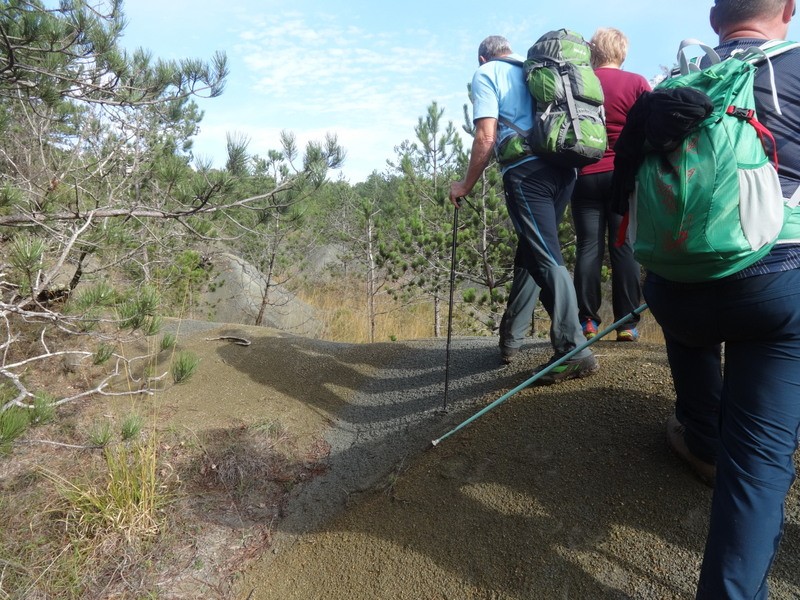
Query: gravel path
(562, 492)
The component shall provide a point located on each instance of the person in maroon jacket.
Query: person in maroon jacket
(592, 210)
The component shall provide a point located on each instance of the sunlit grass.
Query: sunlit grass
(128, 501)
(342, 307)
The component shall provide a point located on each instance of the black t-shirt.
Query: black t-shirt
(784, 127)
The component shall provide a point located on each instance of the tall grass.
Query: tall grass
(129, 500)
(342, 307)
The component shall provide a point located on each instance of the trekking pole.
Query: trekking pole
(536, 376)
(450, 311)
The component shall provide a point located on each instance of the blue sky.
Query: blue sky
(368, 70)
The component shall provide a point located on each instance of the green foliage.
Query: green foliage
(153, 325)
(168, 341)
(139, 311)
(98, 295)
(9, 195)
(184, 366)
(102, 354)
(419, 257)
(50, 44)
(44, 410)
(567, 238)
(131, 427)
(183, 277)
(605, 273)
(26, 256)
(13, 423)
(100, 434)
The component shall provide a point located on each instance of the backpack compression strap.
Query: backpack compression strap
(573, 110)
(763, 133)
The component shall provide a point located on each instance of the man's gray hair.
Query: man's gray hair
(494, 46)
(733, 12)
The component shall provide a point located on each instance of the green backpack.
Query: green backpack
(569, 126)
(714, 205)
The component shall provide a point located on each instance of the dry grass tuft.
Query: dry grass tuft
(342, 306)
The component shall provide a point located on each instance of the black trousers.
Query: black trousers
(595, 222)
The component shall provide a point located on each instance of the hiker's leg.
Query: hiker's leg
(697, 376)
(536, 195)
(626, 291)
(686, 316)
(760, 422)
(587, 215)
(517, 318)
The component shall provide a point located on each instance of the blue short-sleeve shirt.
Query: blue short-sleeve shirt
(499, 90)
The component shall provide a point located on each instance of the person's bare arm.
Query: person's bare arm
(482, 148)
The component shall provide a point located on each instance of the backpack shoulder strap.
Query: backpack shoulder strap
(775, 47)
(518, 63)
(507, 59)
(764, 52)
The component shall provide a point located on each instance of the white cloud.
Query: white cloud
(369, 88)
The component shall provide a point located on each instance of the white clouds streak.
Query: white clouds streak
(332, 69)
(369, 88)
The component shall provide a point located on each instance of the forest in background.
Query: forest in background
(108, 223)
(111, 231)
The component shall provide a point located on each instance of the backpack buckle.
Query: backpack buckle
(746, 114)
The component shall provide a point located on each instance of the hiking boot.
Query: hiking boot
(574, 368)
(507, 354)
(589, 328)
(676, 432)
(628, 335)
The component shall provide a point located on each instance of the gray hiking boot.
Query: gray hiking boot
(507, 354)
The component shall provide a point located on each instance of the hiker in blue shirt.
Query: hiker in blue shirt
(737, 420)
(536, 195)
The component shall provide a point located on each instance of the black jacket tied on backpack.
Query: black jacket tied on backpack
(657, 122)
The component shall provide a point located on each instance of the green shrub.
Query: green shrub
(168, 341)
(13, 423)
(102, 354)
(100, 434)
(131, 427)
(101, 294)
(184, 366)
(44, 410)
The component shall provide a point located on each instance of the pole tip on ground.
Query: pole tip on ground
(434, 443)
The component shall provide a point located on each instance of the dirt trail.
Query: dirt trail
(561, 492)
(564, 492)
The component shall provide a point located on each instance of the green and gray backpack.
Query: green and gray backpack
(714, 205)
(569, 126)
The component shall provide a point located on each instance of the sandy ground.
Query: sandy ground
(566, 491)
